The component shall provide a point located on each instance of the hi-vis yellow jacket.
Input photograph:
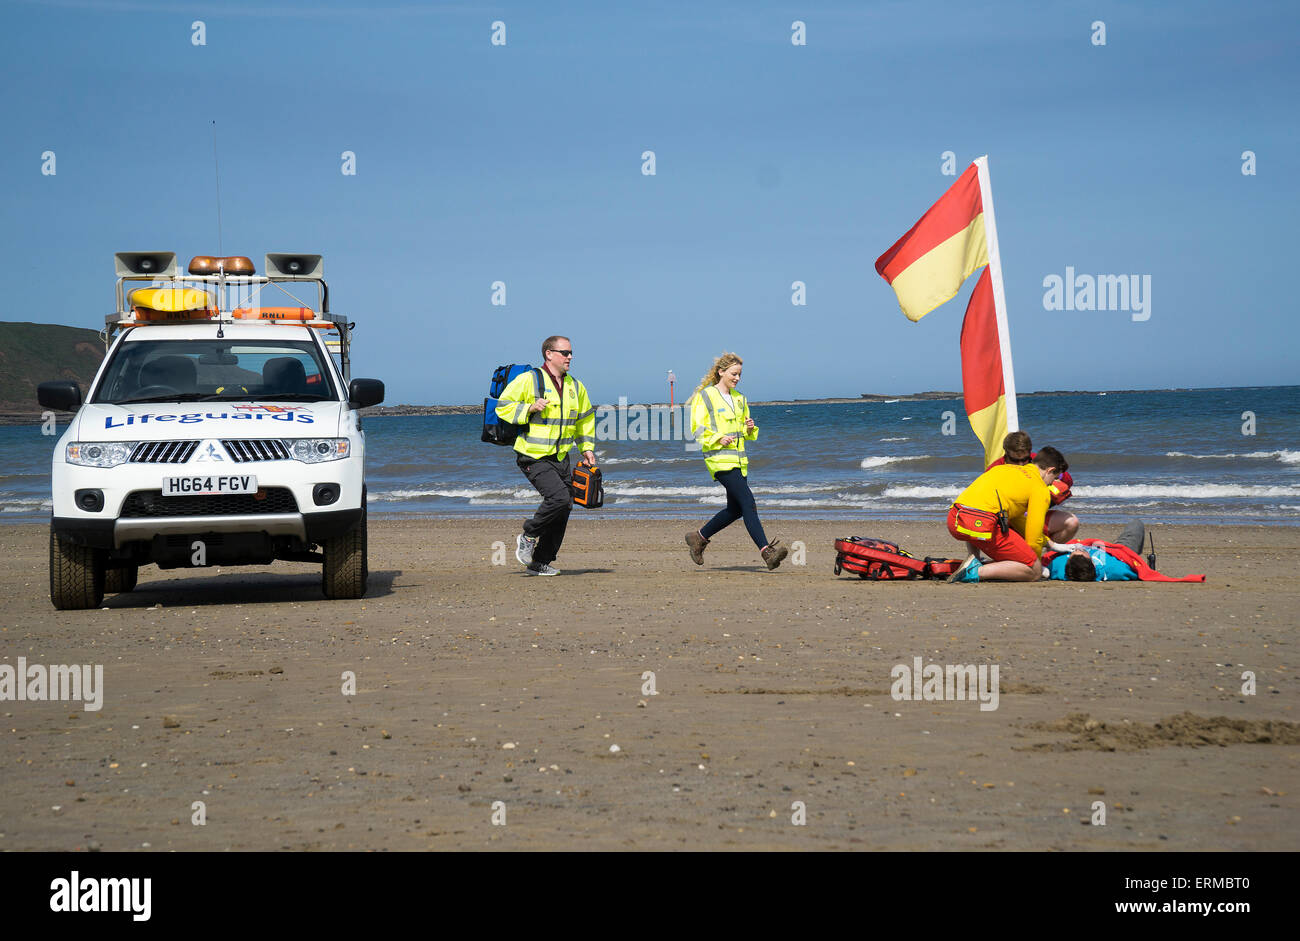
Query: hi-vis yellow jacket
(711, 419)
(567, 418)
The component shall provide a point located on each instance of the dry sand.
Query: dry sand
(475, 684)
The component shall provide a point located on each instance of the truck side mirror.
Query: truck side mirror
(364, 392)
(62, 395)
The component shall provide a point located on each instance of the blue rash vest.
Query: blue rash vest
(1109, 568)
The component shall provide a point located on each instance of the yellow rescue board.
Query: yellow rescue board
(171, 300)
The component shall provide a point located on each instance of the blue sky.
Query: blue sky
(774, 163)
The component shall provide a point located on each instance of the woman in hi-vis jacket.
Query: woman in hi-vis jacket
(721, 424)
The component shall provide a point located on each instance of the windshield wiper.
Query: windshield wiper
(169, 397)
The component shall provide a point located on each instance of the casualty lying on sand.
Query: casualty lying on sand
(217, 431)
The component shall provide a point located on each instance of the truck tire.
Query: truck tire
(120, 581)
(346, 568)
(76, 575)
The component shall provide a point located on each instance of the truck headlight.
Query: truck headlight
(98, 453)
(315, 450)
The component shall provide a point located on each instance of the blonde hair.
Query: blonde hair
(720, 365)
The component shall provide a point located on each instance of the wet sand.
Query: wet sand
(477, 685)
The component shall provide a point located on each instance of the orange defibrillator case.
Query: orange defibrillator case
(588, 487)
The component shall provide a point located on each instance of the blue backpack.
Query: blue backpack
(496, 431)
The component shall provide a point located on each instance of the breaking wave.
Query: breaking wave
(1286, 457)
(870, 462)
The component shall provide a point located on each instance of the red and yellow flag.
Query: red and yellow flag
(927, 266)
(981, 370)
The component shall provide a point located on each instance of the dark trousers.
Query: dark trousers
(552, 479)
(1134, 536)
(740, 503)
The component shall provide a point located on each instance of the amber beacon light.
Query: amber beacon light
(230, 264)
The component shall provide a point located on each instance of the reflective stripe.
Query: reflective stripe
(553, 421)
(521, 414)
(534, 439)
(713, 415)
(587, 413)
(733, 451)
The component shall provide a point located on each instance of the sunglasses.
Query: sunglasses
(563, 352)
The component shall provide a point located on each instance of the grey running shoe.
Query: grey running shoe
(958, 572)
(544, 568)
(773, 554)
(697, 544)
(524, 547)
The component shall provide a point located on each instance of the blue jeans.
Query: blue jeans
(740, 503)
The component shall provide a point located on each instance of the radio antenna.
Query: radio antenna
(217, 169)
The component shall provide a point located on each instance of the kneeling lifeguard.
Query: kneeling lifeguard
(1001, 514)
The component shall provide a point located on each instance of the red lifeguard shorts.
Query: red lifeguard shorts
(980, 529)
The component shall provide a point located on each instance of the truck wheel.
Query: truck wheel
(120, 581)
(346, 568)
(76, 575)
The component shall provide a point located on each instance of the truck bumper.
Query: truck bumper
(111, 534)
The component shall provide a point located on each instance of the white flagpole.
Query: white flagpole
(999, 296)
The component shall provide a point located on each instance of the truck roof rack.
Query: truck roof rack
(222, 298)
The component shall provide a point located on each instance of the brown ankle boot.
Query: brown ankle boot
(773, 554)
(697, 544)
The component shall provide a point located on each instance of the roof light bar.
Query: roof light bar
(232, 264)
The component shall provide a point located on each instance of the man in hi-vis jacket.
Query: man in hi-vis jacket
(560, 418)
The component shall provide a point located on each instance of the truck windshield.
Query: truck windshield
(215, 370)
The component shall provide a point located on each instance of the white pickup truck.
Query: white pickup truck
(216, 432)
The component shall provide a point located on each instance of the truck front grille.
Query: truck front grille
(145, 504)
(255, 449)
(162, 452)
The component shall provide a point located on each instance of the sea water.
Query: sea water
(1207, 455)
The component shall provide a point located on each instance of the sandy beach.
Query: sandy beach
(477, 685)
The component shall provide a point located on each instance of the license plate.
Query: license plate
(208, 485)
